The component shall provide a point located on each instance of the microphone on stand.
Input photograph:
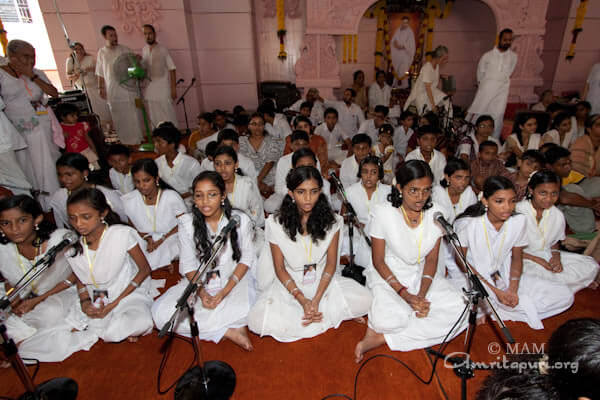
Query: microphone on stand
(233, 223)
(68, 239)
(445, 225)
(180, 80)
(193, 80)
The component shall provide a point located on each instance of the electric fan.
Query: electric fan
(132, 76)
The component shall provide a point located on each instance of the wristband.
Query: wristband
(235, 278)
(134, 284)
(427, 277)
(68, 282)
(515, 278)
(82, 290)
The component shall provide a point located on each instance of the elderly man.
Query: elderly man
(121, 101)
(316, 113)
(493, 77)
(161, 91)
(402, 52)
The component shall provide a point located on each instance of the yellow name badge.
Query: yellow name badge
(42, 112)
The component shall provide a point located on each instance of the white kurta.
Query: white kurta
(349, 172)
(244, 164)
(316, 114)
(490, 250)
(182, 174)
(156, 221)
(552, 136)
(112, 270)
(122, 183)
(282, 125)
(534, 142)
(45, 332)
(247, 198)
(58, 204)
(159, 64)
(403, 58)
(593, 95)
(276, 312)
(473, 149)
(357, 196)
(11, 174)
(121, 101)
(350, 118)
(493, 77)
(401, 138)
(578, 270)
(99, 105)
(418, 95)
(379, 96)
(335, 139)
(368, 127)
(437, 163)
(232, 312)
(405, 251)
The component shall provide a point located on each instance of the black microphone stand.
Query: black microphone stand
(464, 368)
(214, 375)
(57, 388)
(182, 100)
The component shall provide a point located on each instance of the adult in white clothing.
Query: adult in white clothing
(161, 90)
(335, 136)
(561, 132)
(73, 171)
(113, 275)
(121, 101)
(371, 126)
(350, 115)
(82, 73)
(152, 209)
(403, 51)
(316, 112)
(221, 310)
(413, 307)
(304, 238)
(24, 90)
(380, 92)
(591, 91)
(493, 79)
(493, 242)
(425, 94)
(545, 229)
(12, 176)
(426, 138)
(38, 322)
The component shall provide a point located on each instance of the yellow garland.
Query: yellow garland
(355, 48)
(280, 7)
(447, 9)
(345, 48)
(3, 38)
(577, 28)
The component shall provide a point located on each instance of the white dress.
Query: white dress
(402, 58)
(593, 95)
(552, 136)
(534, 142)
(123, 183)
(450, 211)
(401, 138)
(44, 333)
(405, 251)
(34, 124)
(357, 196)
(99, 105)
(578, 270)
(112, 270)
(388, 165)
(418, 95)
(368, 127)
(58, 204)
(182, 174)
(349, 172)
(276, 312)
(247, 198)
(159, 64)
(490, 250)
(379, 96)
(156, 221)
(335, 139)
(232, 312)
(11, 174)
(437, 163)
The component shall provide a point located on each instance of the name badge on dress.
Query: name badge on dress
(310, 274)
(100, 298)
(213, 282)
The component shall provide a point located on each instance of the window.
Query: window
(24, 13)
(15, 11)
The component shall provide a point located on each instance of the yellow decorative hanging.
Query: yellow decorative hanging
(280, 6)
(447, 9)
(577, 28)
(433, 11)
(355, 48)
(3, 38)
(345, 49)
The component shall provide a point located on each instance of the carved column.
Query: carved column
(318, 66)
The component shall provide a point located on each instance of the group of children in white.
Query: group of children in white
(281, 276)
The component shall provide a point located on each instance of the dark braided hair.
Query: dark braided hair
(321, 218)
(409, 171)
(230, 151)
(490, 186)
(203, 245)
(148, 165)
(27, 205)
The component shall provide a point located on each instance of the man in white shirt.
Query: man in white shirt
(591, 92)
(270, 126)
(361, 147)
(161, 90)
(493, 78)
(350, 115)
(371, 126)
(121, 101)
(316, 112)
(403, 51)
(280, 121)
(336, 138)
(380, 92)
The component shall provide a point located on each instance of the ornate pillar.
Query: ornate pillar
(318, 66)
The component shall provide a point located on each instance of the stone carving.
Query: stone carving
(328, 65)
(306, 66)
(292, 9)
(334, 16)
(318, 65)
(136, 13)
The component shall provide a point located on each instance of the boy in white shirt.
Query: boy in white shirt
(350, 115)
(361, 147)
(119, 159)
(229, 137)
(384, 149)
(371, 126)
(427, 138)
(402, 135)
(335, 136)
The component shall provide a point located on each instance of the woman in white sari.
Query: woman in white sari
(425, 94)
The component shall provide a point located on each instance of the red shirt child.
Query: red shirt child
(76, 136)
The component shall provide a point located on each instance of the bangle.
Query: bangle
(427, 277)
(285, 285)
(68, 282)
(515, 278)
(387, 280)
(235, 278)
(134, 284)
(82, 290)
(326, 275)
(400, 291)
(294, 290)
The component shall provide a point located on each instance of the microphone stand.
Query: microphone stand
(463, 366)
(214, 375)
(351, 270)
(57, 388)
(182, 100)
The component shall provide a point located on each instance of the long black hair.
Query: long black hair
(149, 166)
(81, 164)
(454, 164)
(203, 245)
(373, 160)
(490, 186)
(320, 220)
(409, 171)
(540, 177)
(230, 151)
(27, 205)
(95, 199)
(522, 121)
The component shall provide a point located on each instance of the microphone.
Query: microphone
(446, 226)
(68, 239)
(180, 80)
(334, 176)
(233, 222)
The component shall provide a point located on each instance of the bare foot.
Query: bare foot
(133, 339)
(240, 337)
(481, 320)
(371, 340)
(360, 320)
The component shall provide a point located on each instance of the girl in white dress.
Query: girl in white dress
(295, 304)
(152, 209)
(109, 264)
(74, 173)
(561, 133)
(224, 301)
(425, 94)
(413, 307)
(364, 196)
(493, 239)
(38, 323)
(525, 137)
(453, 196)
(545, 230)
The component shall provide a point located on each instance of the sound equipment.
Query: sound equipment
(75, 97)
(284, 93)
